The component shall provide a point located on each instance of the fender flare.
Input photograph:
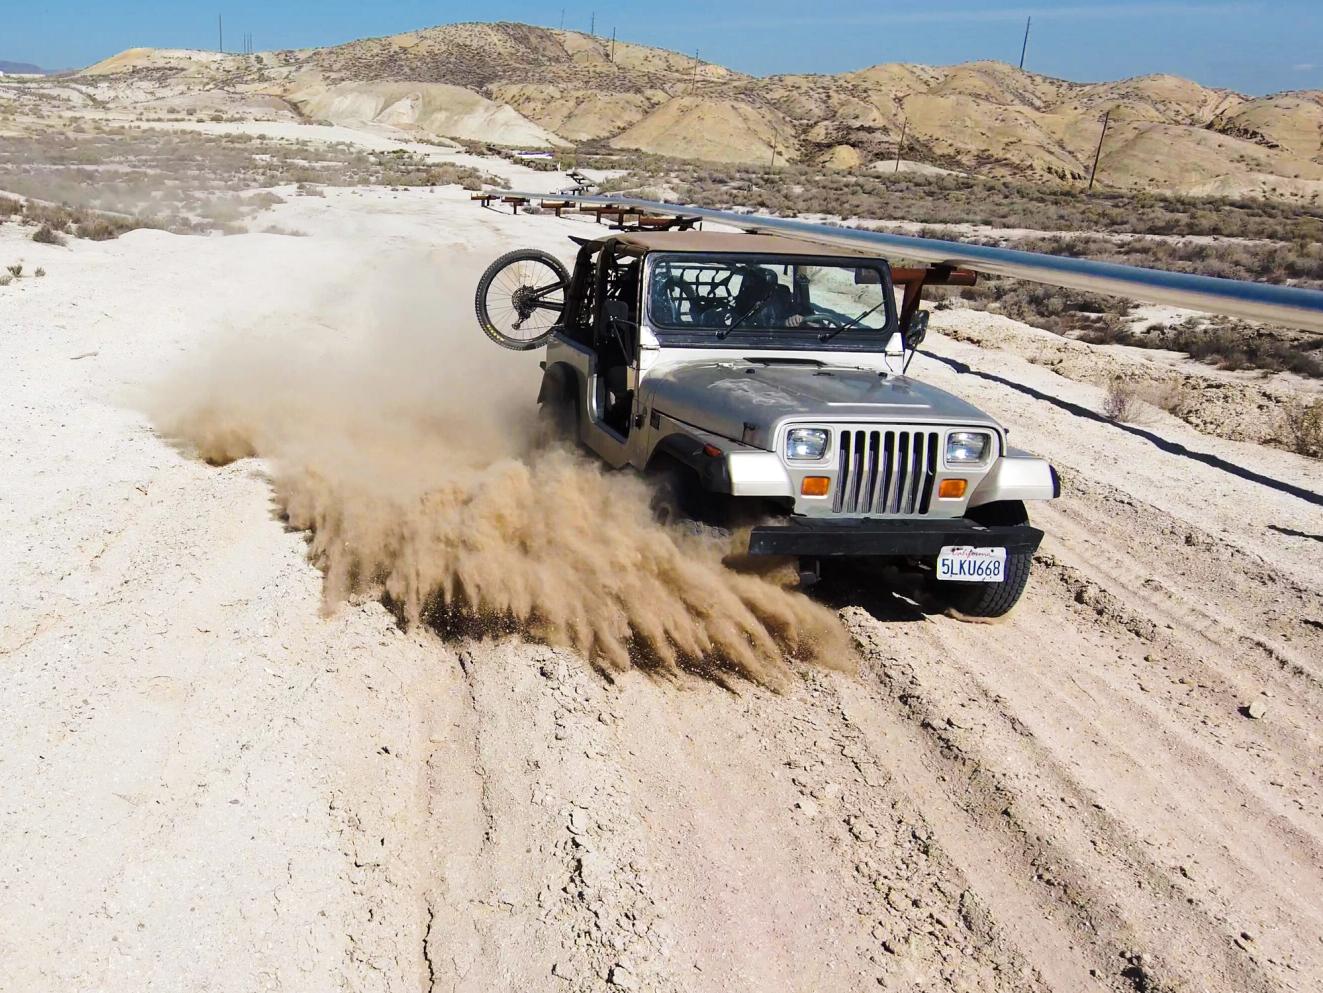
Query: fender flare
(712, 471)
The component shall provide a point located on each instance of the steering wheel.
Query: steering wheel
(819, 321)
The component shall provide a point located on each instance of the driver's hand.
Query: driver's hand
(794, 320)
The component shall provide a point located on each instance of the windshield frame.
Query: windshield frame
(782, 339)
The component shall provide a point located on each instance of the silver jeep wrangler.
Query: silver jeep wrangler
(763, 380)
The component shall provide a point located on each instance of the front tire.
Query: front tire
(991, 599)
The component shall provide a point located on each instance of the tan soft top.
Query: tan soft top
(734, 244)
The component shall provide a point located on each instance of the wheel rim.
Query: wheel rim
(524, 300)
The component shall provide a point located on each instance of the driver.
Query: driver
(763, 302)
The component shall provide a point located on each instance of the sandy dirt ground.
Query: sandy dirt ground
(213, 779)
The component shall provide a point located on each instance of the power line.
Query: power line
(1025, 47)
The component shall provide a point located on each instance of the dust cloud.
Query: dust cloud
(406, 445)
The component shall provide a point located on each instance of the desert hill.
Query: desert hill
(523, 85)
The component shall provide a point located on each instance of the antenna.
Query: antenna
(1025, 47)
(1098, 154)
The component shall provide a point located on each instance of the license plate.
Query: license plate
(965, 564)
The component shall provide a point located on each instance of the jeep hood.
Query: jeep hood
(745, 400)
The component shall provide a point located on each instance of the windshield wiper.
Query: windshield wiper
(828, 336)
(721, 335)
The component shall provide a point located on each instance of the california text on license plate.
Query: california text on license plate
(963, 563)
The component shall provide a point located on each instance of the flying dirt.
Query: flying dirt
(415, 463)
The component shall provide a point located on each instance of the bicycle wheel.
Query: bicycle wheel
(520, 298)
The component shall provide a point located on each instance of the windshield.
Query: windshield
(719, 296)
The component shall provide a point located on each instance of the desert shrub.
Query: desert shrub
(1103, 329)
(1172, 397)
(1120, 401)
(5, 279)
(15, 270)
(1242, 347)
(1304, 428)
(102, 228)
(47, 235)
(9, 207)
(39, 273)
(45, 215)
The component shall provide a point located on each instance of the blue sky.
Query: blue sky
(1256, 46)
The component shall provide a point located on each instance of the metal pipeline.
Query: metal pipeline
(1289, 306)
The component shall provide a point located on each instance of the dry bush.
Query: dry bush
(1239, 346)
(1304, 428)
(46, 235)
(102, 228)
(1172, 397)
(15, 270)
(39, 273)
(5, 279)
(1120, 401)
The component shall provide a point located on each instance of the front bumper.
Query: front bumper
(861, 537)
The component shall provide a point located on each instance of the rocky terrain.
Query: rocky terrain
(515, 84)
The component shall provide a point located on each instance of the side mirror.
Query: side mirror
(917, 329)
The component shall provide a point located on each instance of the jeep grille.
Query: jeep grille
(885, 471)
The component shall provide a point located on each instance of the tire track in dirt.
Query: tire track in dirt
(1042, 730)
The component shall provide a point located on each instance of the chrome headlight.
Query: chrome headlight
(806, 444)
(967, 447)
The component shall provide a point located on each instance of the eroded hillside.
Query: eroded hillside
(515, 84)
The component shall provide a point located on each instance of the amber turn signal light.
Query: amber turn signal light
(952, 489)
(815, 485)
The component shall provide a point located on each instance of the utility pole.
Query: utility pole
(694, 85)
(592, 25)
(1098, 154)
(613, 44)
(900, 145)
(220, 34)
(1025, 47)
(562, 18)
